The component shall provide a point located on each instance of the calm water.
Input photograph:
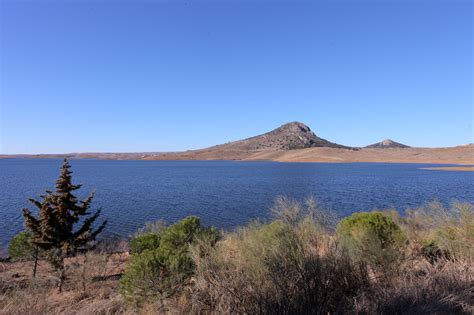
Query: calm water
(224, 194)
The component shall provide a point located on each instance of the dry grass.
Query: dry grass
(450, 229)
(453, 155)
(91, 287)
(446, 287)
(296, 266)
(293, 265)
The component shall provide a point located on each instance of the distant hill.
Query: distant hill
(387, 144)
(295, 142)
(290, 136)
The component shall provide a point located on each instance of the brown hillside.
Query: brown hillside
(291, 136)
(387, 144)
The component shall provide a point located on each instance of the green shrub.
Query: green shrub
(146, 276)
(20, 247)
(283, 267)
(257, 245)
(143, 242)
(372, 237)
(160, 263)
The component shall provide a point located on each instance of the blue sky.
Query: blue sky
(124, 76)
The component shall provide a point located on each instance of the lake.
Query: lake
(223, 193)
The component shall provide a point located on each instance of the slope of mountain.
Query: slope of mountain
(290, 136)
(295, 142)
(387, 144)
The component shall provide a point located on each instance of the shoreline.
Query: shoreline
(462, 156)
(463, 164)
(451, 168)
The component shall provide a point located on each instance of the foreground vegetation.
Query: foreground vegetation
(302, 261)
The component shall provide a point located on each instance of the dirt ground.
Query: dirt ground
(463, 155)
(91, 286)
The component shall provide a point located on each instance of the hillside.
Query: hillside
(388, 143)
(290, 136)
(295, 142)
(453, 155)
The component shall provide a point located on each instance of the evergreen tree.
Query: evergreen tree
(59, 212)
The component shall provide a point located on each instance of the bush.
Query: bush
(449, 231)
(432, 253)
(20, 247)
(160, 263)
(288, 266)
(143, 242)
(372, 237)
(456, 235)
(145, 277)
(294, 265)
(443, 287)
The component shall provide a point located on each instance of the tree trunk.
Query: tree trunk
(61, 277)
(83, 275)
(35, 266)
(60, 268)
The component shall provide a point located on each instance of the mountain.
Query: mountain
(290, 136)
(385, 144)
(295, 142)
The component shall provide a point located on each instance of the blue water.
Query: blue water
(224, 194)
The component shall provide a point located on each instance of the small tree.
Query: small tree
(372, 237)
(21, 248)
(161, 262)
(54, 229)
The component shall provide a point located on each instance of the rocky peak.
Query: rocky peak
(387, 143)
(295, 127)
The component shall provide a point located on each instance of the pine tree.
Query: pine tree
(59, 212)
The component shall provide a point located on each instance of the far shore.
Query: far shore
(451, 168)
(461, 155)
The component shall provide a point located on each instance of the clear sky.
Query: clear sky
(124, 76)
